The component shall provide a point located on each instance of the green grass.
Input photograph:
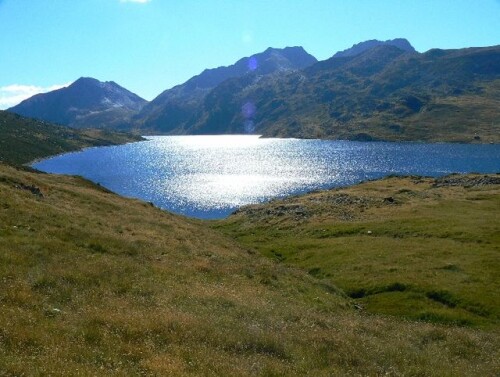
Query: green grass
(23, 140)
(431, 254)
(95, 284)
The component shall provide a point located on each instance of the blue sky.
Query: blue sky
(148, 46)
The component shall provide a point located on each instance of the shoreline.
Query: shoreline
(214, 214)
(375, 140)
(40, 159)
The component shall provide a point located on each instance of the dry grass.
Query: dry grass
(95, 284)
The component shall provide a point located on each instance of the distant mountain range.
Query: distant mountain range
(375, 90)
(383, 93)
(85, 103)
(173, 111)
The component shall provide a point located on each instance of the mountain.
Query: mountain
(383, 93)
(24, 139)
(376, 90)
(358, 48)
(85, 103)
(172, 110)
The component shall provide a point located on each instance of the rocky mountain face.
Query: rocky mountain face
(358, 48)
(173, 110)
(85, 103)
(383, 93)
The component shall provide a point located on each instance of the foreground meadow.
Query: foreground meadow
(419, 248)
(95, 284)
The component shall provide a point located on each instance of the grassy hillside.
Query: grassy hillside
(24, 139)
(415, 248)
(95, 284)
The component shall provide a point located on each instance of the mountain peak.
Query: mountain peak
(85, 81)
(298, 49)
(91, 82)
(361, 47)
(173, 108)
(81, 103)
(277, 59)
(268, 61)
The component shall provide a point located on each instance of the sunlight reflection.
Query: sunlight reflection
(217, 190)
(209, 176)
(252, 63)
(249, 127)
(248, 110)
(212, 141)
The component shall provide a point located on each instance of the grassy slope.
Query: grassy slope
(430, 254)
(92, 284)
(24, 139)
(470, 118)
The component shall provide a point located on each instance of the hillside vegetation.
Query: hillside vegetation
(24, 139)
(384, 93)
(92, 283)
(393, 277)
(417, 248)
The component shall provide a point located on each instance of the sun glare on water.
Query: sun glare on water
(211, 176)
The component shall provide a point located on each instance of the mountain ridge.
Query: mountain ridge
(358, 48)
(383, 93)
(172, 109)
(375, 90)
(87, 102)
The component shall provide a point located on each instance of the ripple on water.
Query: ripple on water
(210, 176)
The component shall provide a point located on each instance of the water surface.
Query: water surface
(211, 176)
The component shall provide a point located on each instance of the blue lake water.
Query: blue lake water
(211, 176)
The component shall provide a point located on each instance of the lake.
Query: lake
(211, 176)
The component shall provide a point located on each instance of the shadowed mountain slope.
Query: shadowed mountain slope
(382, 93)
(172, 111)
(24, 139)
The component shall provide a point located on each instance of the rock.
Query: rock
(31, 188)
(465, 181)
